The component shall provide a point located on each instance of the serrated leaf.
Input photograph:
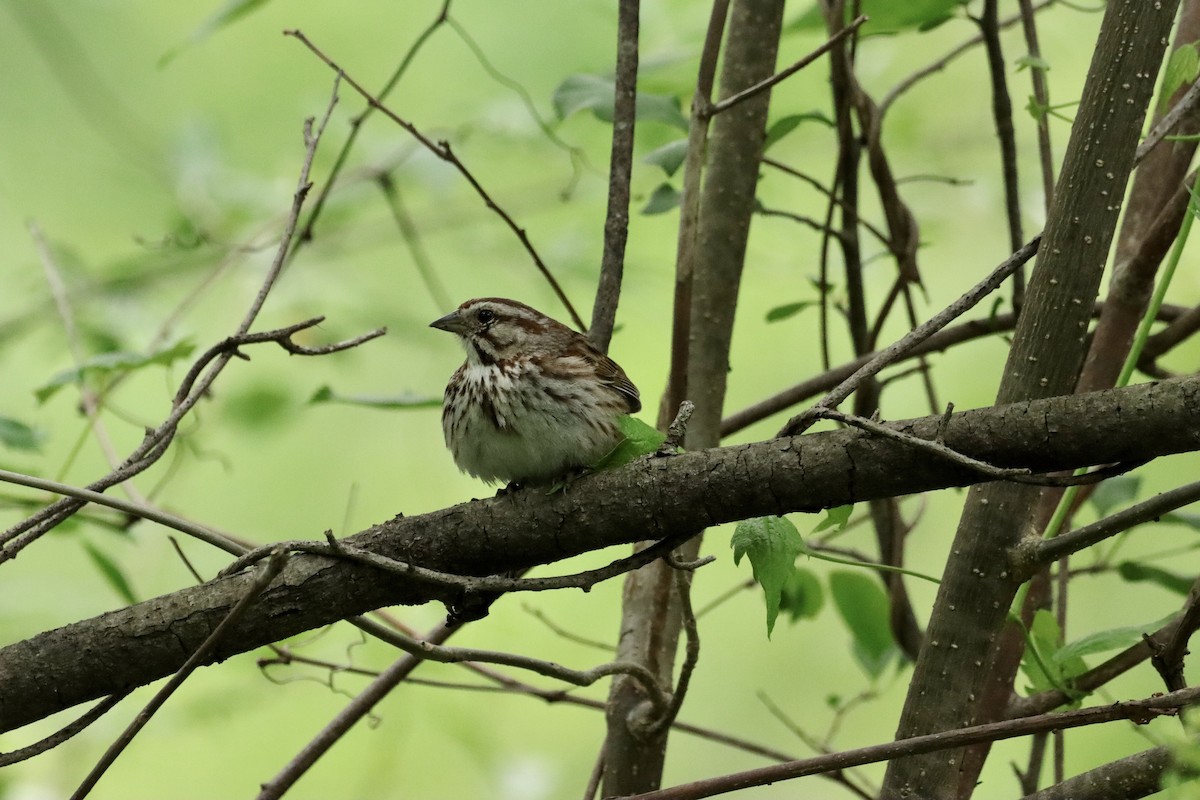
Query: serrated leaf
(1115, 492)
(1135, 572)
(835, 517)
(111, 572)
(597, 93)
(771, 544)
(640, 439)
(1182, 69)
(863, 606)
(662, 199)
(16, 435)
(226, 14)
(802, 596)
(326, 394)
(788, 310)
(112, 363)
(785, 125)
(1111, 639)
(670, 156)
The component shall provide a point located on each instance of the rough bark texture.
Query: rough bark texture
(651, 616)
(957, 666)
(136, 645)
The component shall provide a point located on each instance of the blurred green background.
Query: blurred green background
(157, 153)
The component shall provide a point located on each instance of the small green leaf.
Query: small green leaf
(835, 517)
(107, 364)
(1115, 492)
(1135, 572)
(16, 435)
(326, 394)
(1182, 69)
(640, 439)
(230, 12)
(1032, 62)
(788, 310)
(1111, 639)
(663, 199)
(1182, 518)
(785, 125)
(596, 93)
(772, 544)
(670, 156)
(111, 572)
(863, 606)
(802, 596)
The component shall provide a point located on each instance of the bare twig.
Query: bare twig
(916, 336)
(443, 151)
(1140, 711)
(256, 587)
(339, 162)
(762, 86)
(156, 441)
(63, 734)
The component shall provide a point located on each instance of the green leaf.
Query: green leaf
(670, 156)
(111, 572)
(1103, 641)
(863, 606)
(226, 14)
(1182, 518)
(802, 596)
(1182, 69)
(107, 364)
(1115, 492)
(835, 517)
(888, 16)
(663, 199)
(785, 125)
(16, 435)
(326, 394)
(1032, 62)
(772, 544)
(640, 439)
(596, 93)
(788, 310)
(1133, 572)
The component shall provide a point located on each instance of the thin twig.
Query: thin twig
(156, 441)
(339, 162)
(63, 734)
(935, 323)
(762, 86)
(443, 151)
(200, 656)
(1139, 711)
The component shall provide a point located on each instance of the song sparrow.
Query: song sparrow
(534, 400)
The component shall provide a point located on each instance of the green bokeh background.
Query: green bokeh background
(120, 160)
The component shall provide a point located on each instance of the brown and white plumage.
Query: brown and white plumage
(534, 400)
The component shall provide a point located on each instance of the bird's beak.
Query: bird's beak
(452, 322)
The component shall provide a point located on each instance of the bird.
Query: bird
(535, 401)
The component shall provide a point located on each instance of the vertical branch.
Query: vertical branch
(1048, 349)
(620, 169)
(1041, 96)
(714, 229)
(989, 26)
(689, 213)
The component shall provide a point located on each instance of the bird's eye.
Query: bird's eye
(486, 316)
